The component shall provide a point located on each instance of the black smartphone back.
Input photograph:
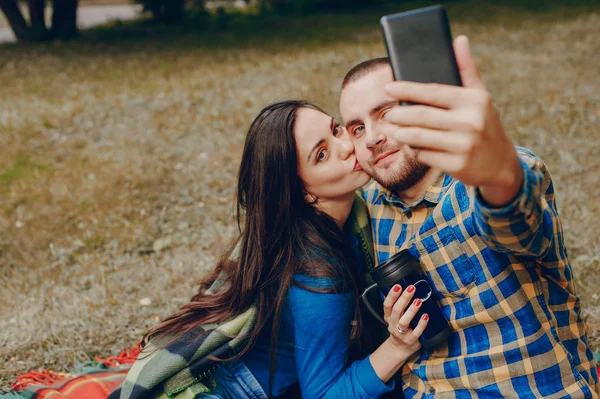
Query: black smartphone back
(419, 45)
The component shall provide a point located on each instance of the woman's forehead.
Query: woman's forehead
(311, 123)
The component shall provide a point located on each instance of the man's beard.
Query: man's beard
(410, 173)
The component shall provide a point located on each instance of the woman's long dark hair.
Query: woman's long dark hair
(277, 228)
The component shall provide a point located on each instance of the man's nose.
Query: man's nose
(374, 135)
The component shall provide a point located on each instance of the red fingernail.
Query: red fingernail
(417, 302)
(425, 317)
(396, 288)
(410, 288)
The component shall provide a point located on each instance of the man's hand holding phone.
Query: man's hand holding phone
(458, 130)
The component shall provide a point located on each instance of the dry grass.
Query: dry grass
(109, 148)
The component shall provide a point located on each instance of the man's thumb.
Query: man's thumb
(469, 73)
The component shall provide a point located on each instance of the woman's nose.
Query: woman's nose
(346, 148)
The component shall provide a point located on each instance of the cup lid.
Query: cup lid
(403, 263)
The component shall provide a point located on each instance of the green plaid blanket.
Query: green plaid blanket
(182, 369)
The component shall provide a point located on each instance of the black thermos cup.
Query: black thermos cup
(403, 269)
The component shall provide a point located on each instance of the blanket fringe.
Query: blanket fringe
(44, 377)
(47, 378)
(127, 356)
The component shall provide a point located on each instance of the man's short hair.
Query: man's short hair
(364, 68)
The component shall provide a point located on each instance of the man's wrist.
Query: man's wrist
(502, 194)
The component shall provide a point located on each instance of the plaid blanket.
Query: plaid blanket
(182, 369)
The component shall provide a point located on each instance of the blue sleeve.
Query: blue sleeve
(322, 332)
(529, 224)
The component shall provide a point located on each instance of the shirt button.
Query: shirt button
(432, 390)
(408, 214)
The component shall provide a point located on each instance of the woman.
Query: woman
(296, 186)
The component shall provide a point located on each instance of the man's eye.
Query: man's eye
(359, 130)
(321, 155)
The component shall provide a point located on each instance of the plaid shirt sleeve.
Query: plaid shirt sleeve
(525, 226)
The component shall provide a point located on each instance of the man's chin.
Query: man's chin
(401, 178)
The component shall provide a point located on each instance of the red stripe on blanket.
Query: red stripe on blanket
(91, 386)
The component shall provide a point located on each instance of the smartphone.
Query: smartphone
(419, 45)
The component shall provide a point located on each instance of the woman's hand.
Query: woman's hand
(398, 311)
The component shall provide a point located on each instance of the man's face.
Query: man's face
(363, 106)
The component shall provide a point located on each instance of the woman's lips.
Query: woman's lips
(357, 166)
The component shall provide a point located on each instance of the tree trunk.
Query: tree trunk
(64, 19)
(15, 19)
(173, 12)
(37, 18)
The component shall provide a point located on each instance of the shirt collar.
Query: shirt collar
(433, 194)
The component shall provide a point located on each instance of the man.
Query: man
(480, 216)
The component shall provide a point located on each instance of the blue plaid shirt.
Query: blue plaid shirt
(506, 288)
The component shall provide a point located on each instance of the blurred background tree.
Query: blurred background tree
(170, 12)
(28, 22)
(63, 25)
(303, 6)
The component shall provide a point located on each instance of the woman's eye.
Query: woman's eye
(337, 130)
(321, 155)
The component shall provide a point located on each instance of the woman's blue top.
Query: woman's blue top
(313, 347)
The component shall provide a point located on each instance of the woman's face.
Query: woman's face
(326, 161)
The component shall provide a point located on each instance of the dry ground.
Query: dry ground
(118, 163)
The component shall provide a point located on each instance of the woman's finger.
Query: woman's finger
(418, 330)
(410, 313)
(400, 305)
(390, 300)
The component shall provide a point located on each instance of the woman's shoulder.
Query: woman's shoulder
(318, 296)
(318, 269)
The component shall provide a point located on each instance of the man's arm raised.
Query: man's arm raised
(458, 130)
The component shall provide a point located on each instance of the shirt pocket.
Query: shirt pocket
(445, 262)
